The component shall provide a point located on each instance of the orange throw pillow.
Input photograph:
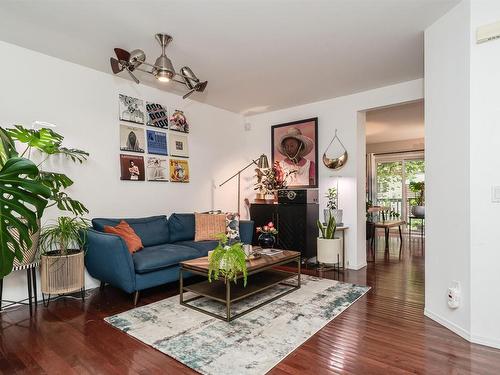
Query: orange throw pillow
(126, 232)
(208, 226)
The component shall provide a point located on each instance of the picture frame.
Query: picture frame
(178, 122)
(157, 115)
(131, 109)
(131, 167)
(294, 145)
(157, 168)
(178, 145)
(179, 170)
(157, 142)
(132, 138)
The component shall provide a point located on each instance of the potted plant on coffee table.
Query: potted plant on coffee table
(62, 258)
(267, 233)
(227, 260)
(329, 247)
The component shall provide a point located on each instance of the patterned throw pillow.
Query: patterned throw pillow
(128, 234)
(208, 226)
(233, 226)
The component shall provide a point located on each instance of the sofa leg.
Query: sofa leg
(101, 287)
(136, 297)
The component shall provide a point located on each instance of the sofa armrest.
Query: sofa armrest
(107, 259)
(246, 231)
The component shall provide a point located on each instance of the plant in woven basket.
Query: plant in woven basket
(63, 235)
(227, 260)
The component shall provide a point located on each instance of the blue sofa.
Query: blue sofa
(167, 242)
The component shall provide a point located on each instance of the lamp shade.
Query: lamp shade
(263, 162)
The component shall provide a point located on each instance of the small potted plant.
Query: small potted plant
(227, 260)
(62, 258)
(267, 233)
(329, 247)
(418, 208)
(332, 206)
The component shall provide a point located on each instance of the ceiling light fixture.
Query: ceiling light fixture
(163, 69)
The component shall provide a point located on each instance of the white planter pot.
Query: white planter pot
(329, 250)
(337, 215)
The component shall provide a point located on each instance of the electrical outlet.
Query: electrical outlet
(495, 194)
(248, 126)
(454, 294)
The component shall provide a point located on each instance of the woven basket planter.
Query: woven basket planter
(62, 274)
(29, 255)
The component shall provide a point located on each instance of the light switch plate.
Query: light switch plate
(495, 194)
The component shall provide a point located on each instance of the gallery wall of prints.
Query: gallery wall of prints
(154, 146)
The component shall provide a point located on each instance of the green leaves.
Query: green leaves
(328, 232)
(45, 140)
(228, 261)
(22, 200)
(64, 234)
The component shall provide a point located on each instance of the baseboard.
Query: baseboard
(494, 343)
(447, 324)
(356, 266)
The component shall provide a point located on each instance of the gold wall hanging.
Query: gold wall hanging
(338, 162)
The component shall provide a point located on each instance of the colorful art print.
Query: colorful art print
(131, 109)
(294, 146)
(179, 170)
(157, 142)
(131, 138)
(178, 144)
(157, 168)
(178, 122)
(157, 115)
(132, 167)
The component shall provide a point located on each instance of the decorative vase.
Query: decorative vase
(418, 211)
(329, 250)
(266, 240)
(337, 215)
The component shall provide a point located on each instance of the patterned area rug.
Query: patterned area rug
(251, 344)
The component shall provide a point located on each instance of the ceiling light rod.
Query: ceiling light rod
(162, 69)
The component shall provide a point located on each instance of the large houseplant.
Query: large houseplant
(23, 198)
(227, 260)
(329, 247)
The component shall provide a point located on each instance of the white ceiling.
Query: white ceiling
(396, 123)
(257, 55)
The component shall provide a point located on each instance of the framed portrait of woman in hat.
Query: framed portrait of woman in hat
(294, 146)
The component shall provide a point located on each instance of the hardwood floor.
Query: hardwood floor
(385, 332)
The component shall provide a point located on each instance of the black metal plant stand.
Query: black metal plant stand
(31, 281)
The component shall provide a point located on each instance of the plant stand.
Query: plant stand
(62, 275)
(31, 281)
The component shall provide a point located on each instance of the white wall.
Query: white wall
(343, 114)
(396, 146)
(83, 103)
(484, 173)
(447, 244)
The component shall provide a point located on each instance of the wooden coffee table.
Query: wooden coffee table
(262, 275)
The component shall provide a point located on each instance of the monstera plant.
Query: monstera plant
(26, 190)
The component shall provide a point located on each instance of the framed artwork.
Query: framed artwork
(131, 138)
(157, 142)
(131, 109)
(178, 122)
(157, 168)
(178, 144)
(179, 170)
(132, 167)
(295, 147)
(157, 115)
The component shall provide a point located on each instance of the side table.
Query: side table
(31, 278)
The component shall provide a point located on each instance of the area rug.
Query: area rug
(252, 344)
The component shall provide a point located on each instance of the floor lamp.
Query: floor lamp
(262, 163)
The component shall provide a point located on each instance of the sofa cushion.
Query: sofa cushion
(126, 232)
(155, 258)
(203, 247)
(181, 227)
(152, 230)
